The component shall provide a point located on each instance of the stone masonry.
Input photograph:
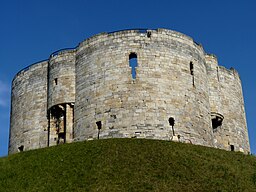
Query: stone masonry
(153, 84)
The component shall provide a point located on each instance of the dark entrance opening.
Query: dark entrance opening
(61, 138)
(58, 123)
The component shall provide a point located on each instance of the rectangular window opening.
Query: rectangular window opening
(99, 126)
(133, 63)
(191, 66)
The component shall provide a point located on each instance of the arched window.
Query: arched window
(21, 148)
(217, 120)
(133, 64)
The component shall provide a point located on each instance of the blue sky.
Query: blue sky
(30, 30)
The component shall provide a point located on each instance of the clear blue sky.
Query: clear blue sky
(31, 30)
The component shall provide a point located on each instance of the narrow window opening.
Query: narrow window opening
(133, 64)
(191, 66)
(21, 148)
(232, 147)
(99, 126)
(148, 34)
(218, 74)
(56, 81)
(171, 123)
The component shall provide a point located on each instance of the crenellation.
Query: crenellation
(94, 91)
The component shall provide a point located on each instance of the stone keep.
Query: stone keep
(153, 84)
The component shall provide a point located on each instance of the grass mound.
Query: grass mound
(128, 165)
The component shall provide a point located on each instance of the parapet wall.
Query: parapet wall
(155, 84)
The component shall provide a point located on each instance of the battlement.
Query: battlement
(138, 83)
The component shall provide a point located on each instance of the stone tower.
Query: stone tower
(154, 84)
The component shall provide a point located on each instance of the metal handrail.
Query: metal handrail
(62, 50)
(28, 67)
(140, 30)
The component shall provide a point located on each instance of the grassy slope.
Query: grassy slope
(128, 165)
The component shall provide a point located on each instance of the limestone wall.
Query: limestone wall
(141, 107)
(214, 85)
(61, 79)
(226, 100)
(234, 129)
(61, 96)
(28, 109)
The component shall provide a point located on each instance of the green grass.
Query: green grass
(128, 165)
